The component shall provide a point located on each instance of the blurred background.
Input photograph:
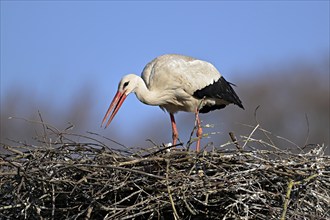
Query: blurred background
(65, 59)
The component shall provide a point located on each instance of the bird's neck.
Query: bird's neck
(149, 97)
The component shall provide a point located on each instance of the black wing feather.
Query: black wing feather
(220, 89)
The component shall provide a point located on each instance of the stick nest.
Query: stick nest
(68, 176)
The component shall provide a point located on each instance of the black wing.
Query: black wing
(220, 89)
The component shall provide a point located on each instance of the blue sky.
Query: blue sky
(53, 49)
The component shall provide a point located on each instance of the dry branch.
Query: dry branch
(66, 179)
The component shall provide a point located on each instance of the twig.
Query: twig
(89, 212)
(53, 201)
(252, 132)
(307, 123)
(288, 192)
(234, 140)
(175, 214)
(121, 168)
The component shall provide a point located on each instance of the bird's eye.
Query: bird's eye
(126, 84)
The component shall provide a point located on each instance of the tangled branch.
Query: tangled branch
(62, 178)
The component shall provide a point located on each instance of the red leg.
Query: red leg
(175, 133)
(199, 132)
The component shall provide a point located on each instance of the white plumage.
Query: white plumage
(177, 83)
(181, 76)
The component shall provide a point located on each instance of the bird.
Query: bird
(177, 83)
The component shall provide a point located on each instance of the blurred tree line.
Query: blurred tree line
(293, 103)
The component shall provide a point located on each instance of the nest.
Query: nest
(69, 176)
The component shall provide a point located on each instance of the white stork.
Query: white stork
(177, 83)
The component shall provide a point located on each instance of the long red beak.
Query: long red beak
(116, 103)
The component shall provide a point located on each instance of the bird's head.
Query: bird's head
(126, 86)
